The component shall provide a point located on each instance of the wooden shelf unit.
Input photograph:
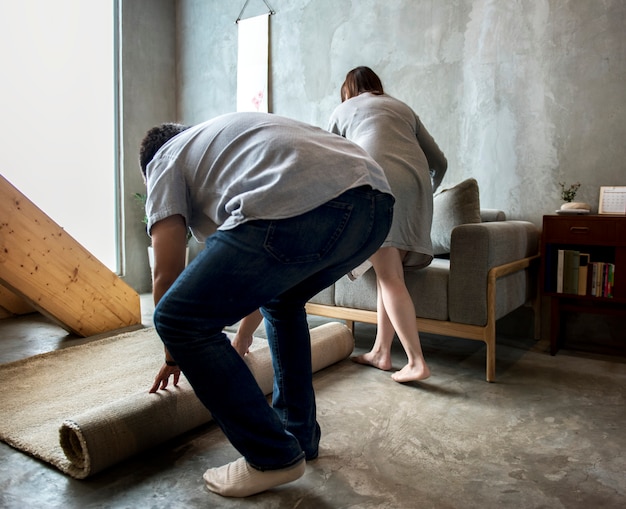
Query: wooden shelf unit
(604, 238)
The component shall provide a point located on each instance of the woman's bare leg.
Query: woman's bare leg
(380, 354)
(399, 309)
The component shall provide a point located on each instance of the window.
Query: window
(57, 107)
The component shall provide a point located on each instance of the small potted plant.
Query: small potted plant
(141, 201)
(568, 193)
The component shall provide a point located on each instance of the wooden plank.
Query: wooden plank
(440, 327)
(43, 264)
(13, 304)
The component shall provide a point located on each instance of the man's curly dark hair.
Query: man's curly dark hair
(154, 139)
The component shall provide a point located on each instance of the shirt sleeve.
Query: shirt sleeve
(167, 192)
(437, 162)
(333, 123)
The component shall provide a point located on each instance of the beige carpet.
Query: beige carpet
(85, 408)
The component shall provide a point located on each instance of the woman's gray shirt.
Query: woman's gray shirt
(394, 136)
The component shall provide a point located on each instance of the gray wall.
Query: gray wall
(519, 94)
(147, 98)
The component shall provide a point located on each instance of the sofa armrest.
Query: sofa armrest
(475, 250)
(490, 215)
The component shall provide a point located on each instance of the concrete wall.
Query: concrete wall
(147, 98)
(520, 94)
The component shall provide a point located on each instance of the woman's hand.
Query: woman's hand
(245, 332)
(242, 343)
(163, 377)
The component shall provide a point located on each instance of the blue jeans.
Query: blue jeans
(276, 266)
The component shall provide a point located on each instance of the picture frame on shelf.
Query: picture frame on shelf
(612, 200)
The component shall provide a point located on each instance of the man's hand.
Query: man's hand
(162, 379)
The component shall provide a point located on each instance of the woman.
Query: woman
(394, 136)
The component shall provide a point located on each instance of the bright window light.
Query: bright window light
(57, 111)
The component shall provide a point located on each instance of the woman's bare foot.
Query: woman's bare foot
(411, 373)
(374, 359)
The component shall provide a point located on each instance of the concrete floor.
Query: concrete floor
(548, 434)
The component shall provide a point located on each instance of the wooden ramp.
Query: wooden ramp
(43, 268)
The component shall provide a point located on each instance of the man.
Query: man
(285, 209)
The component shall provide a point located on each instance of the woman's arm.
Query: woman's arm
(243, 339)
(437, 162)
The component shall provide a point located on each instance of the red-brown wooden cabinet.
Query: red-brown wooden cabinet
(603, 237)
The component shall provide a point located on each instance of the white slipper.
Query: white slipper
(239, 479)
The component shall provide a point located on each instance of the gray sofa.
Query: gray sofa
(485, 268)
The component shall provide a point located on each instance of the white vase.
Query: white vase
(576, 205)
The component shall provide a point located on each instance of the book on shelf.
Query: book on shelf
(575, 273)
(570, 271)
(595, 283)
(583, 266)
(601, 278)
(610, 279)
(567, 273)
(596, 271)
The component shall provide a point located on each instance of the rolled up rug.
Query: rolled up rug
(115, 430)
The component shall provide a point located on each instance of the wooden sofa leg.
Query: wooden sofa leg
(490, 342)
(350, 325)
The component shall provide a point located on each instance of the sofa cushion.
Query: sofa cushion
(452, 207)
(428, 288)
(326, 296)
